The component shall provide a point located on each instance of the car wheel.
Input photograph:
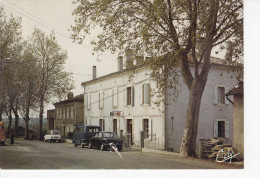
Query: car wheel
(89, 145)
(50, 141)
(44, 140)
(75, 144)
(102, 148)
(81, 145)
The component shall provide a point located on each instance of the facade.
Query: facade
(215, 119)
(69, 113)
(238, 118)
(126, 106)
(117, 104)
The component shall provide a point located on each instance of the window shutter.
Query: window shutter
(215, 134)
(101, 99)
(140, 94)
(141, 125)
(150, 128)
(115, 90)
(227, 129)
(226, 90)
(215, 95)
(133, 95)
(146, 93)
(125, 96)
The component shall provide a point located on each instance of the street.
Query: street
(32, 154)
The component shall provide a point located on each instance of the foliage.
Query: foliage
(179, 35)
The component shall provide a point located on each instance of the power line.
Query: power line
(47, 25)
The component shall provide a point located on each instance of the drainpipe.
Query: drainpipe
(229, 99)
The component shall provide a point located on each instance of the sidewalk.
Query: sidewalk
(147, 150)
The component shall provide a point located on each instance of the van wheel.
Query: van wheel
(81, 145)
(102, 148)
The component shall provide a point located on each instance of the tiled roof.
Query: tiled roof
(214, 62)
(238, 90)
(76, 98)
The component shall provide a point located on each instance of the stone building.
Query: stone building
(69, 113)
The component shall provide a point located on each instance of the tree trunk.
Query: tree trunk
(40, 119)
(189, 138)
(26, 119)
(196, 88)
(9, 123)
(26, 133)
(16, 124)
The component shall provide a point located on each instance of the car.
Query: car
(104, 140)
(83, 133)
(2, 133)
(52, 136)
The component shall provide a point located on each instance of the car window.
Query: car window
(55, 132)
(110, 134)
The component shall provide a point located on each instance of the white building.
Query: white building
(134, 110)
(116, 103)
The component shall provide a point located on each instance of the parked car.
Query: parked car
(52, 136)
(83, 133)
(103, 140)
(2, 133)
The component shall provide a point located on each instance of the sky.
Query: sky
(56, 15)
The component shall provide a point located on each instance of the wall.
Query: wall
(209, 112)
(239, 124)
(137, 113)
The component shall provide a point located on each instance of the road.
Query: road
(32, 154)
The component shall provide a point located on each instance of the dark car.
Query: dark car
(103, 140)
(83, 133)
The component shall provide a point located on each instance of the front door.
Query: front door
(130, 130)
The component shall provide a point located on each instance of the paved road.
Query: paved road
(25, 154)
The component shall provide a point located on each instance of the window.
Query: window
(68, 113)
(146, 128)
(102, 124)
(221, 129)
(114, 99)
(146, 93)
(101, 99)
(115, 125)
(130, 96)
(88, 101)
(71, 113)
(219, 95)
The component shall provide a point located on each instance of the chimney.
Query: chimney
(94, 72)
(120, 63)
(70, 95)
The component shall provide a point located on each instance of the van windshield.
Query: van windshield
(93, 130)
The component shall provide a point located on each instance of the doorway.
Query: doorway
(130, 131)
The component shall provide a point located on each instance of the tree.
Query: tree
(29, 73)
(179, 34)
(10, 37)
(53, 81)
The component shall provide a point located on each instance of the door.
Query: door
(130, 130)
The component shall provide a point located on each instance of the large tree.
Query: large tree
(53, 81)
(177, 33)
(10, 38)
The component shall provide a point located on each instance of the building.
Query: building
(122, 102)
(238, 118)
(50, 118)
(69, 113)
(215, 119)
(123, 105)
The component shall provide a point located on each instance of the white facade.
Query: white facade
(115, 92)
(215, 119)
